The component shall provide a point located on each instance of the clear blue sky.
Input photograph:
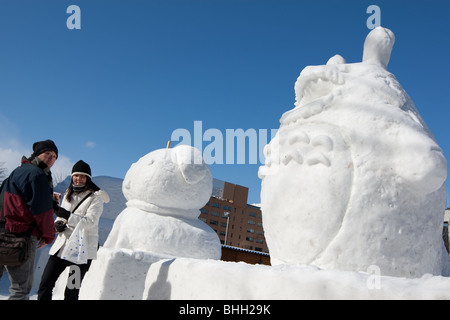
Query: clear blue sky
(137, 70)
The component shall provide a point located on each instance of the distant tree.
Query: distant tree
(2, 172)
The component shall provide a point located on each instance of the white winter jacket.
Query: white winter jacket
(91, 210)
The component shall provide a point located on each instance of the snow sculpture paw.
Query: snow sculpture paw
(299, 147)
(319, 164)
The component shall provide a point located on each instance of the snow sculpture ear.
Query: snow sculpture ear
(378, 46)
(190, 163)
(336, 59)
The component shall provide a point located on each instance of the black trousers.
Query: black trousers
(55, 266)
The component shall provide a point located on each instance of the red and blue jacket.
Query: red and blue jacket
(27, 198)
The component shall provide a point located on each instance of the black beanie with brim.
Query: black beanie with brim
(43, 146)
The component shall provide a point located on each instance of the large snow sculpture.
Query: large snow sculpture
(354, 177)
(165, 190)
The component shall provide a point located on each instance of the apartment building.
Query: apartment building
(237, 223)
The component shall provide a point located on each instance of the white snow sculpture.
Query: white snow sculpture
(165, 190)
(354, 177)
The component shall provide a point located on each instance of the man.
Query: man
(28, 203)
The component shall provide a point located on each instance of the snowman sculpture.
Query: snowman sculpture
(165, 190)
(354, 178)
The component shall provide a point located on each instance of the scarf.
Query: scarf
(78, 188)
(40, 164)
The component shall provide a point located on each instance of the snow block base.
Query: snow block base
(117, 274)
(132, 275)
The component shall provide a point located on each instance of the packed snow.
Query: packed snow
(165, 191)
(353, 195)
(369, 186)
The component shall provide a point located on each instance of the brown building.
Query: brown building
(237, 223)
(249, 256)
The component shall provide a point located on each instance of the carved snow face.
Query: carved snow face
(354, 140)
(175, 178)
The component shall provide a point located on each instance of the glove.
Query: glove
(60, 226)
(62, 213)
(55, 205)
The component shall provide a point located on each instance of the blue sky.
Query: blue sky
(136, 71)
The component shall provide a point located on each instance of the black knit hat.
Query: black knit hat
(43, 146)
(82, 167)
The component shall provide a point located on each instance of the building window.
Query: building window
(251, 230)
(226, 208)
(202, 219)
(214, 222)
(215, 214)
(251, 222)
(252, 214)
(203, 210)
(216, 205)
(259, 241)
(249, 239)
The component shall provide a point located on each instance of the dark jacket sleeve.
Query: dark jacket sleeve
(40, 204)
(37, 195)
(45, 224)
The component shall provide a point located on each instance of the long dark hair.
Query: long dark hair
(88, 186)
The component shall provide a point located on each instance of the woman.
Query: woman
(82, 200)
